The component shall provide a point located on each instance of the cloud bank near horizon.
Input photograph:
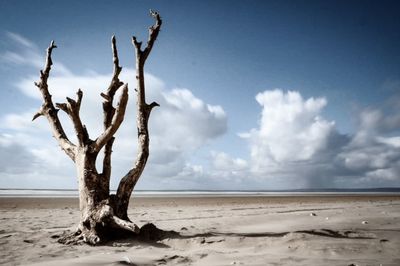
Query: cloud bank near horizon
(293, 146)
(296, 146)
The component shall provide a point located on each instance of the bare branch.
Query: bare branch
(109, 110)
(115, 82)
(63, 106)
(106, 97)
(49, 111)
(137, 44)
(107, 162)
(79, 95)
(152, 105)
(141, 56)
(115, 123)
(153, 33)
(38, 113)
(129, 181)
(71, 104)
(72, 108)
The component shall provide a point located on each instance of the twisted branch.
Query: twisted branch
(49, 111)
(116, 121)
(109, 110)
(153, 33)
(129, 181)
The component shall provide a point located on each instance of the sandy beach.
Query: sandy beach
(297, 230)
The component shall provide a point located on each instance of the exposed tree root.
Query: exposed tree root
(125, 225)
(148, 232)
(99, 225)
(68, 238)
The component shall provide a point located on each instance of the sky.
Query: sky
(254, 95)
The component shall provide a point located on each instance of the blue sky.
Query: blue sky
(267, 94)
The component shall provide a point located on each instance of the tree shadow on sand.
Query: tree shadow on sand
(152, 235)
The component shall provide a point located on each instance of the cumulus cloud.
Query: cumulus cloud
(191, 122)
(373, 154)
(184, 124)
(294, 146)
(291, 129)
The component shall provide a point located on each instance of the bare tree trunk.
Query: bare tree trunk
(143, 109)
(102, 213)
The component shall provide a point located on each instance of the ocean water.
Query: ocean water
(70, 193)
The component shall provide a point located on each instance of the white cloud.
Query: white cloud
(180, 126)
(296, 147)
(373, 154)
(15, 157)
(391, 141)
(290, 129)
(177, 128)
(223, 162)
(22, 122)
(185, 121)
(25, 52)
(20, 40)
(387, 174)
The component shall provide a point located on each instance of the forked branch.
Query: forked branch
(129, 181)
(49, 111)
(153, 33)
(72, 108)
(115, 122)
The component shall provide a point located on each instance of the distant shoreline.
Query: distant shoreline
(377, 189)
(150, 201)
(72, 193)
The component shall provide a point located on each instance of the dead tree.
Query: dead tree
(101, 212)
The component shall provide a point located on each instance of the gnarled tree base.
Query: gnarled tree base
(148, 232)
(100, 224)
